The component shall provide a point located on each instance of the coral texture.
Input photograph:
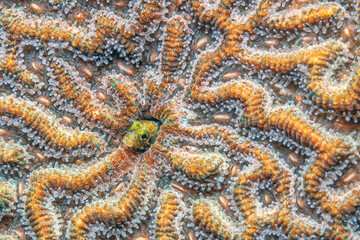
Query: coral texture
(174, 119)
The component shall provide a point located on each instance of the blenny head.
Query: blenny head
(141, 134)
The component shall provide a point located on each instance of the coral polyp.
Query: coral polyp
(170, 119)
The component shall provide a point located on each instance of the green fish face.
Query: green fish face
(141, 134)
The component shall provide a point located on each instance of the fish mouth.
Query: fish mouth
(131, 142)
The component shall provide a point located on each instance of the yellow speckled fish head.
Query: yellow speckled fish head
(141, 134)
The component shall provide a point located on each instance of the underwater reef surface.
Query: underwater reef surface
(171, 119)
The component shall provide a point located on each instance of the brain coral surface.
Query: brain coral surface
(174, 119)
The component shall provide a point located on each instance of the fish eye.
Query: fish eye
(144, 135)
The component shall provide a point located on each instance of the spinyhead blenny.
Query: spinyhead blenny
(141, 134)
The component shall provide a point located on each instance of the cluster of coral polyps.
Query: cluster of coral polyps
(171, 119)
